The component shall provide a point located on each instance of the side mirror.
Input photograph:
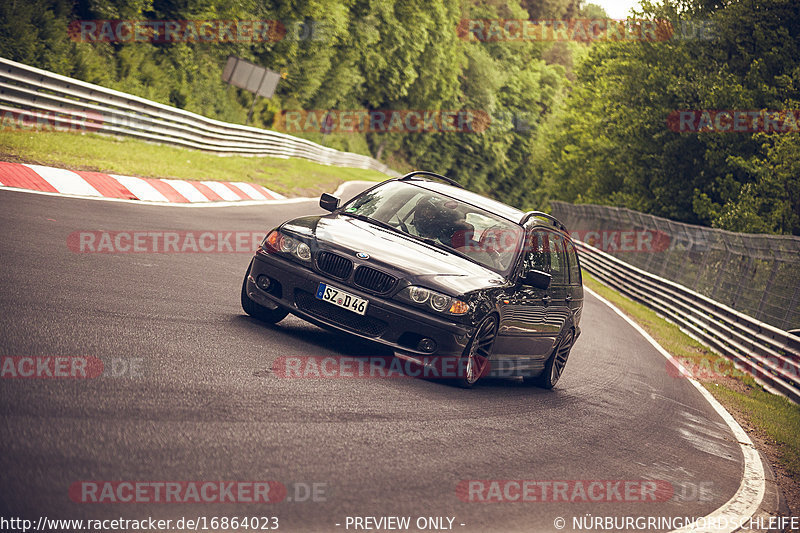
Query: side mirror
(328, 202)
(538, 279)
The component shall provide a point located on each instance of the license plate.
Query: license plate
(343, 299)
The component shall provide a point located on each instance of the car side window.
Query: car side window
(558, 259)
(574, 267)
(536, 255)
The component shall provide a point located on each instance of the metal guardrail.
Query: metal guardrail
(29, 89)
(755, 274)
(769, 354)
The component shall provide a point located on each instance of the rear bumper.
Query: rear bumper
(386, 321)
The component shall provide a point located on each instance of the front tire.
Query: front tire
(474, 362)
(555, 364)
(255, 310)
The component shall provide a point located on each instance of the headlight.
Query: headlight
(303, 251)
(278, 242)
(435, 300)
(440, 302)
(418, 294)
(287, 244)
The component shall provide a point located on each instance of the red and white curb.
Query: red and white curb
(111, 186)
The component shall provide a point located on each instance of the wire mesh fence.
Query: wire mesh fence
(758, 275)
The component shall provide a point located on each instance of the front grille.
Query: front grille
(365, 325)
(334, 265)
(373, 280)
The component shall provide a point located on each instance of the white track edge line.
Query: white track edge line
(747, 500)
(730, 513)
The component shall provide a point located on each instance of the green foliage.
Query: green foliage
(611, 143)
(569, 121)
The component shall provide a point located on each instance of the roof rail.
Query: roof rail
(412, 175)
(541, 214)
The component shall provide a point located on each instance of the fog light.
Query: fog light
(263, 282)
(426, 345)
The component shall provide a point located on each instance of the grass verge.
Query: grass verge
(772, 421)
(132, 157)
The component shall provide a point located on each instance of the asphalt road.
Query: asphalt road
(204, 403)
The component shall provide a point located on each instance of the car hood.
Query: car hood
(391, 251)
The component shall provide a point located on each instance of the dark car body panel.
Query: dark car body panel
(397, 319)
(531, 320)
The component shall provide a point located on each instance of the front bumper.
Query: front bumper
(386, 321)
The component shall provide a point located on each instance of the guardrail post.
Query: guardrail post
(767, 289)
(793, 305)
(743, 271)
(719, 274)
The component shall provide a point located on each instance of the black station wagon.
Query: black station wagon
(430, 270)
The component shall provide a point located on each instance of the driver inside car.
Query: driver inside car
(433, 220)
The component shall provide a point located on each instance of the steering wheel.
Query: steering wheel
(491, 240)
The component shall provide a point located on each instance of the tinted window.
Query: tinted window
(574, 267)
(545, 252)
(537, 256)
(558, 259)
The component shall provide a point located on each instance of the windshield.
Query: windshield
(481, 236)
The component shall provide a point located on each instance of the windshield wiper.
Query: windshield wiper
(439, 245)
(371, 220)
